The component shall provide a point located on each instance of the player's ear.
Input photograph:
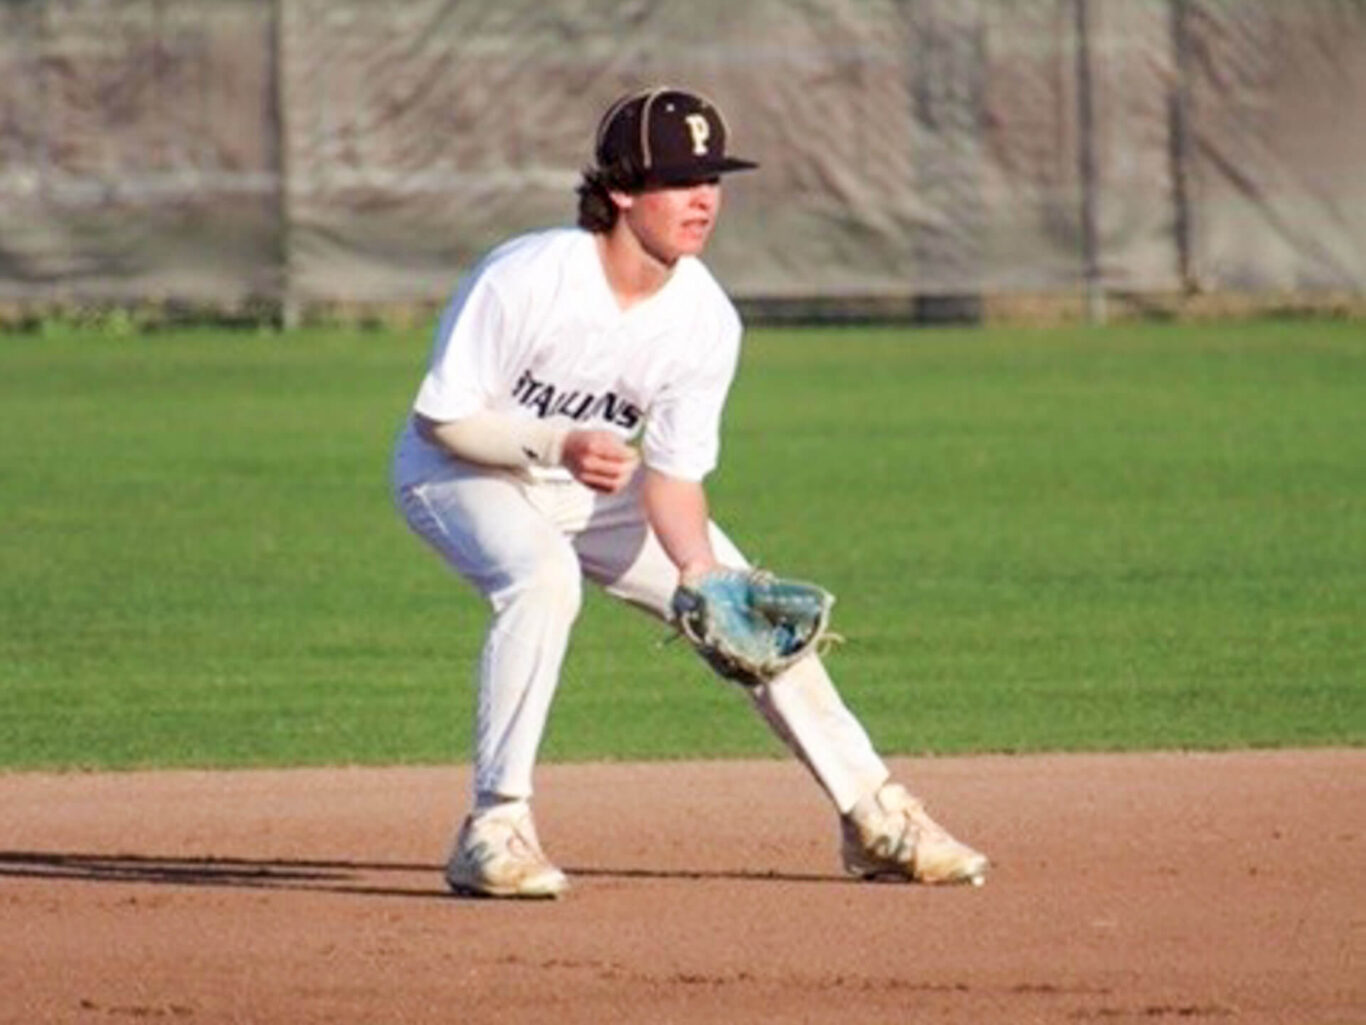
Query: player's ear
(622, 200)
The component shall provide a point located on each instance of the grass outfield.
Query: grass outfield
(1085, 539)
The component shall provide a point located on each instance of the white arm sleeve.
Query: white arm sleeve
(498, 439)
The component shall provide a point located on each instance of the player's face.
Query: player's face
(674, 221)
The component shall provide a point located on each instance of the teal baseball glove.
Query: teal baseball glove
(750, 625)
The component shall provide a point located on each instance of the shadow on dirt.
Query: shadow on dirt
(371, 879)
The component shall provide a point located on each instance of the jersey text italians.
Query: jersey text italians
(547, 400)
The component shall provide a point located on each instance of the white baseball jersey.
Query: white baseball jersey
(536, 331)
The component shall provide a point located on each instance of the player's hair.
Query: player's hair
(597, 212)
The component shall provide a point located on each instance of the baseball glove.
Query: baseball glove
(751, 625)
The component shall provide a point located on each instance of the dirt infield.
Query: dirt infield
(1132, 888)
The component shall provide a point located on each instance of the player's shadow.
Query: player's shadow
(240, 873)
(371, 879)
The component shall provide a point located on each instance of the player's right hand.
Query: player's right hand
(599, 459)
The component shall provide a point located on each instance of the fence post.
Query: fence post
(1086, 166)
(290, 314)
(1178, 115)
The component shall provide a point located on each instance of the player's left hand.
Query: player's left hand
(749, 625)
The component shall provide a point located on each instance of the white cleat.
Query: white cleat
(497, 854)
(889, 834)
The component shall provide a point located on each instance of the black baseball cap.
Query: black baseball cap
(668, 136)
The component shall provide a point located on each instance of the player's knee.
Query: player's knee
(554, 582)
(561, 580)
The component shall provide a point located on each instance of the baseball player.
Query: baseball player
(567, 420)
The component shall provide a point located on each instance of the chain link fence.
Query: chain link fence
(281, 157)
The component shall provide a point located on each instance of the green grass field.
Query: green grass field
(1136, 537)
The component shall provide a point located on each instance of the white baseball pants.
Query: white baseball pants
(526, 546)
